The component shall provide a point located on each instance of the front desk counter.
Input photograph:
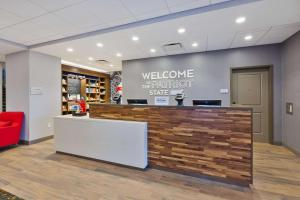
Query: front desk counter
(121, 142)
(198, 141)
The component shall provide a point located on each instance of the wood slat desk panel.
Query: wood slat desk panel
(213, 142)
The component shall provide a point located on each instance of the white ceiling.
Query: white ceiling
(2, 58)
(30, 22)
(35, 21)
(8, 47)
(268, 21)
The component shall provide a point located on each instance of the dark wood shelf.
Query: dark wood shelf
(93, 81)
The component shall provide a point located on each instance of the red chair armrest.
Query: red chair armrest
(10, 129)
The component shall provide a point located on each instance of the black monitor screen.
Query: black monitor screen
(137, 101)
(207, 102)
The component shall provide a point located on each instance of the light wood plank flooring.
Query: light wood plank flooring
(36, 172)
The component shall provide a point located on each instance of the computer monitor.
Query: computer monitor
(207, 103)
(137, 101)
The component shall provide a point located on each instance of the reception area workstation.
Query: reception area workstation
(209, 142)
(150, 100)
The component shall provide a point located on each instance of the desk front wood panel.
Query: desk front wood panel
(215, 142)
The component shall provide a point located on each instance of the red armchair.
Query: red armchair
(10, 128)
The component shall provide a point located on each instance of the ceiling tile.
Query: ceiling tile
(278, 34)
(181, 5)
(6, 48)
(257, 34)
(217, 1)
(22, 8)
(7, 18)
(117, 22)
(201, 45)
(53, 24)
(153, 14)
(51, 5)
(218, 26)
(109, 11)
(138, 7)
(78, 15)
(219, 40)
(173, 3)
(2, 57)
(23, 32)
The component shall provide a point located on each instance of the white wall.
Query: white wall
(2, 64)
(17, 86)
(44, 72)
(28, 69)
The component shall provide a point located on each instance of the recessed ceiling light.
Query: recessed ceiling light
(91, 58)
(240, 20)
(119, 55)
(99, 45)
(152, 50)
(181, 30)
(111, 65)
(70, 49)
(135, 38)
(194, 44)
(248, 37)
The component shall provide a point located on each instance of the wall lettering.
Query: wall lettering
(159, 83)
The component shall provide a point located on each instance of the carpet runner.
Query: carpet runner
(8, 196)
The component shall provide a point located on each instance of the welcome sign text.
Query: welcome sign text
(160, 83)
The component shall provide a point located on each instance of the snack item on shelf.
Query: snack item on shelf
(64, 99)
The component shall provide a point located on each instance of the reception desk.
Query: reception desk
(120, 142)
(210, 142)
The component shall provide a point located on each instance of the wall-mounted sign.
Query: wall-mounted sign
(74, 86)
(224, 91)
(161, 100)
(160, 83)
(36, 91)
(289, 108)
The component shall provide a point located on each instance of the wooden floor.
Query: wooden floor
(37, 172)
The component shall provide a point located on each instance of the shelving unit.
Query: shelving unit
(95, 87)
(92, 90)
(64, 93)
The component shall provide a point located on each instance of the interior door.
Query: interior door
(250, 88)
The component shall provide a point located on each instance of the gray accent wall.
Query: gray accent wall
(291, 91)
(212, 73)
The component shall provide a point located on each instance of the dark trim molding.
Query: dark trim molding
(278, 143)
(36, 141)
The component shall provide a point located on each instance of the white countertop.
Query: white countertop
(117, 141)
(87, 118)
